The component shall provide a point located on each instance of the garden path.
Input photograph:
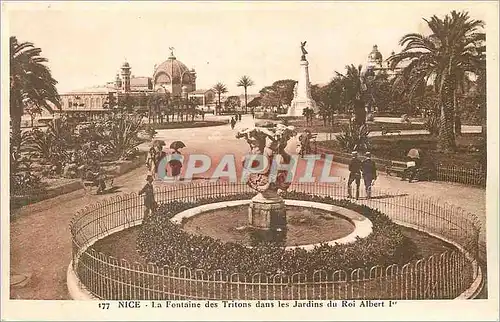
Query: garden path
(40, 241)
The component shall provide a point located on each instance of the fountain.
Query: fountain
(266, 212)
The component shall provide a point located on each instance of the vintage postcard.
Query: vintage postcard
(326, 160)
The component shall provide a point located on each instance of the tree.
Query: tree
(245, 82)
(110, 102)
(219, 89)
(277, 95)
(126, 103)
(353, 88)
(443, 58)
(232, 102)
(31, 83)
(328, 98)
(33, 111)
(308, 113)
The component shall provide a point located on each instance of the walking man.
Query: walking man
(354, 174)
(233, 123)
(149, 197)
(369, 174)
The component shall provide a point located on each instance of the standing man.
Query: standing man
(233, 122)
(354, 174)
(369, 173)
(149, 197)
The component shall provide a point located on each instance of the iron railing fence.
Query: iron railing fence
(467, 176)
(442, 276)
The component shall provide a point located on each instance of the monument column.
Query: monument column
(302, 96)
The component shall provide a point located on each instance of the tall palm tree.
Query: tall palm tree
(220, 89)
(353, 92)
(31, 83)
(245, 82)
(444, 58)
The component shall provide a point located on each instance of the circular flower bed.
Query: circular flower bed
(166, 244)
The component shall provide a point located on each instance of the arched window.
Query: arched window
(162, 79)
(186, 79)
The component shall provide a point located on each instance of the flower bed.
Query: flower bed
(165, 243)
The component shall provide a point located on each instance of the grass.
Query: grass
(397, 147)
(317, 126)
(186, 124)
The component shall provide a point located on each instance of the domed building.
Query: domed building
(376, 64)
(172, 76)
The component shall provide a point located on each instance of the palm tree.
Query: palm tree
(219, 88)
(31, 83)
(444, 58)
(353, 92)
(245, 82)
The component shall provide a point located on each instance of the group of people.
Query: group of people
(357, 169)
(234, 119)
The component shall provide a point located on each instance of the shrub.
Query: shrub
(25, 183)
(122, 137)
(431, 124)
(354, 137)
(162, 242)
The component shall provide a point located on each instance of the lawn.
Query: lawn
(396, 148)
(186, 124)
(317, 126)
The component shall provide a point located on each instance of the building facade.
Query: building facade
(170, 76)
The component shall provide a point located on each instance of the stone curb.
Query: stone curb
(362, 226)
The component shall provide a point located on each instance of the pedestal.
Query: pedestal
(267, 213)
(302, 97)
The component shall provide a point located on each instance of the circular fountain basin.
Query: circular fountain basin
(362, 226)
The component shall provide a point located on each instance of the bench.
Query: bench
(89, 184)
(396, 167)
(426, 173)
(387, 131)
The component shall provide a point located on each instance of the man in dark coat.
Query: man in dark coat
(369, 173)
(354, 174)
(149, 197)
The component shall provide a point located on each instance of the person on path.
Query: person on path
(175, 166)
(233, 123)
(354, 174)
(149, 197)
(253, 113)
(369, 174)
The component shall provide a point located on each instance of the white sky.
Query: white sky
(86, 43)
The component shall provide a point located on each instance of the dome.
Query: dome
(125, 65)
(375, 55)
(172, 69)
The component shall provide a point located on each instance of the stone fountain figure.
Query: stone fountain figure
(267, 208)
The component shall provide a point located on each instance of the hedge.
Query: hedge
(165, 243)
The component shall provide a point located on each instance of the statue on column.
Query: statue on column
(304, 51)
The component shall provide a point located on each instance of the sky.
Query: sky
(86, 42)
